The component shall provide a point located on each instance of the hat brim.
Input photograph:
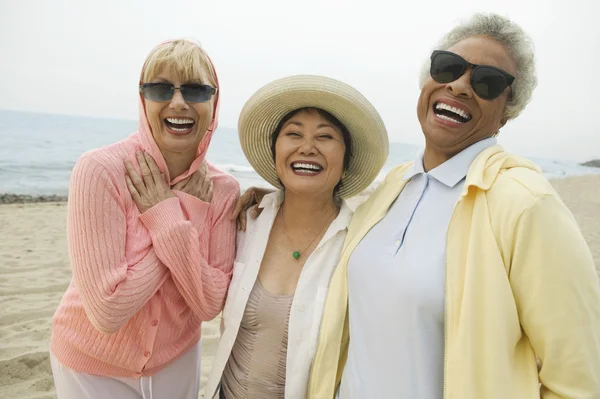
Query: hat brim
(265, 109)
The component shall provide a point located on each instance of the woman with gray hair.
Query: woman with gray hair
(464, 265)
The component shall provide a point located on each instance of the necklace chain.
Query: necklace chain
(297, 254)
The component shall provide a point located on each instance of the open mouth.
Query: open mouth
(179, 125)
(306, 168)
(451, 114)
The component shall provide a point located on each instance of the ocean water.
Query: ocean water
(38, 151)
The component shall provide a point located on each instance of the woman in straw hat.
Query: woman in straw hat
(319, 141)
(464, 265)
(151, 243)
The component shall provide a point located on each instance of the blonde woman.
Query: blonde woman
(319, 141)
(151, 243)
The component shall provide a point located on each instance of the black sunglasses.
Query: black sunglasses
(487, 81)
(164, 92)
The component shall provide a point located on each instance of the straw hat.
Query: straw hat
(265, 109)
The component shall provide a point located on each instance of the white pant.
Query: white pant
(179, 380)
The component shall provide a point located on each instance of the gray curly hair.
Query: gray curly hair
(518, 43)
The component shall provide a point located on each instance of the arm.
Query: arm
(251, 199)
(201, 278)
(112, 287)
(558, 299)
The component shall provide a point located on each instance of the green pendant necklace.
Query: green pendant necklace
(296, 254)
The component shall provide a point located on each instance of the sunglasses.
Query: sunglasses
(487, 81)
(164, 92)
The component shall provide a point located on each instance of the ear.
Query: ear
(503, 122)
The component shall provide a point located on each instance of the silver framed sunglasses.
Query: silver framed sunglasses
(164, 92)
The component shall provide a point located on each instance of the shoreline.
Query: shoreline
(6, 199)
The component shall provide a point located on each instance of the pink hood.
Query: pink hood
(144, 135)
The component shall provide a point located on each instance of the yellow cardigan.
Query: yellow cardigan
(520, 282)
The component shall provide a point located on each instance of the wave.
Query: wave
(25, 168)
(232, 168)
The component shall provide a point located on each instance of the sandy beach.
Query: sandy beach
(35, 271)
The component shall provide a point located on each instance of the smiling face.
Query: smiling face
(451, 115)
(309, 154)
(178, 126)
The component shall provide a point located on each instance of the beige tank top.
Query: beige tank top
(256, 366)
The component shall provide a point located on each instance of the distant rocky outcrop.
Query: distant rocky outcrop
(593, 163)
(26, 199)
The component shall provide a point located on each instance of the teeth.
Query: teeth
(180, 121)
(447, 118)
(299, 165)
(457, 111)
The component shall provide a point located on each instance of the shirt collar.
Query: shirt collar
(451, 172)
(273, 199)
(342, 221)
(416, 168)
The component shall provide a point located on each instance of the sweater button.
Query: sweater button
(147, 353)
(154, 323)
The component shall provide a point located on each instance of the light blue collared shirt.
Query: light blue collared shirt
(396, 288)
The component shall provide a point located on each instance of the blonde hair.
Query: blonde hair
(518, 43)
(185, 58)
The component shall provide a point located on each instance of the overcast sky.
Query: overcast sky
(84, 57)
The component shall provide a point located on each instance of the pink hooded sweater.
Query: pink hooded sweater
(142, 283)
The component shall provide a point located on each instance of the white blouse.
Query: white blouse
(307, 305)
